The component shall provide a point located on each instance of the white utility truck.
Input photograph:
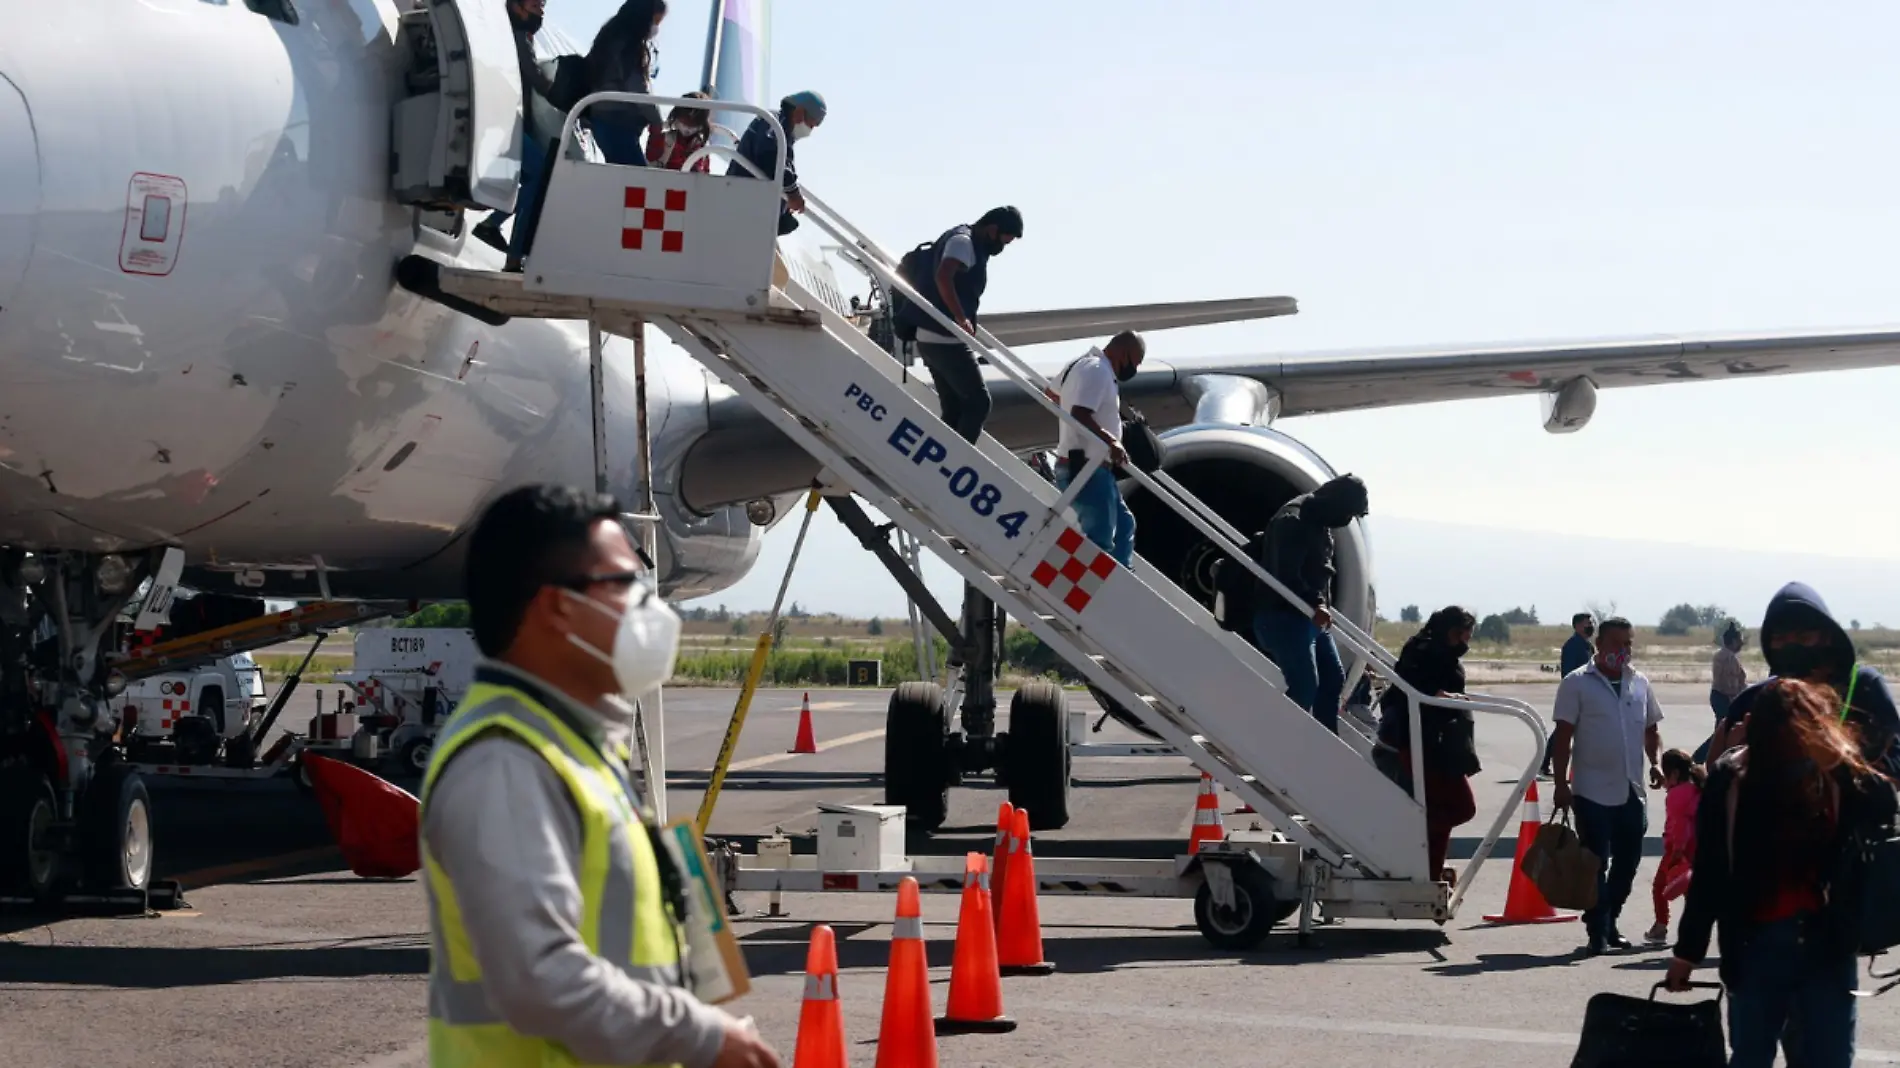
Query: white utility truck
(185, 716)
(406, 681)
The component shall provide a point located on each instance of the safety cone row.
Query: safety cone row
(806, 742)
(1524, 903)
(1208, 829)
(985, 951)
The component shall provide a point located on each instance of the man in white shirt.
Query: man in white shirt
(1091, 392)
(1606, 718)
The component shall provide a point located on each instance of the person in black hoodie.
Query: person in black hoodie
(1430, 662)
(1802, 640)
(1299, 552)
(1772, 832)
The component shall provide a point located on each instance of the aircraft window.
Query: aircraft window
(156, 219)
(281, 10)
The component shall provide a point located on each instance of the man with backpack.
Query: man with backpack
(952, 273)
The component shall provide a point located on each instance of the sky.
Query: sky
(1458, 172)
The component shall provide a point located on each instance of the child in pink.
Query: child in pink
(1684, 779)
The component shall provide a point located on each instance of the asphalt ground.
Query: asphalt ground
(284, 958)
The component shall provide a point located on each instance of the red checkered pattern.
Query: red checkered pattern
(642, 220)
(1067, 574)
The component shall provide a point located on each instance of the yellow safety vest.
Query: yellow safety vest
(624, 918)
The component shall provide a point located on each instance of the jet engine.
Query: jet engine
(1244, 473)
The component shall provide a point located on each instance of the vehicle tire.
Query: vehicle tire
(27, 812)
(211, 707)
(195, 740)
(1121, 715)
(240, 752)
(413, 757)
(1256, 909)
(1035, 755)
(917, 755)
(115, 830)
(300, 774)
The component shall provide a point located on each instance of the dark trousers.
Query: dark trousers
(960, 389)
(1782, 973)
(622, 141)
(1615, 834)
(1307, 658)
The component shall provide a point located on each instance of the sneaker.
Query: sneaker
(1617, 941)
(1658, 933)
(490, 234)
(1594, 948)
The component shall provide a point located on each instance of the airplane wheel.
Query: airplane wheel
(115, 830)
(1036, 755)
(1255, 910)
(917, 755)
(28, 866)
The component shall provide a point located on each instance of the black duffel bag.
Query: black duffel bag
(1620, 1031)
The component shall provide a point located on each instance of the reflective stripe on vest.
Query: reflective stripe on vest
(623, 913)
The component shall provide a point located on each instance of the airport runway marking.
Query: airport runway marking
(823, 747)
(1394, 1029)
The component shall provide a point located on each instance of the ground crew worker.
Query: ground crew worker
(952, 277)
(552, 905)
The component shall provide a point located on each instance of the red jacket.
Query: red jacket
(668, 148)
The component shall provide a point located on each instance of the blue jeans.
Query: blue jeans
(1104, 516)
(1307, 658)
(1779, 973)
(1719, 702)
(534, 159)
(621, 141)
(1615, 834)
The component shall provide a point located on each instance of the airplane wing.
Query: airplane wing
(1070, 324)
(1315, 383)
(742, 456)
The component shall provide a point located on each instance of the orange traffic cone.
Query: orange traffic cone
(805, 743)
(907, 1037)
(976, 985)
(1524, 903)
(1019, 941)
(999, 860)
(820, 1023)
(1208, 828)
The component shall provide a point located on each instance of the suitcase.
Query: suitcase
(1620, 1031)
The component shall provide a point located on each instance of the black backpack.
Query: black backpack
(914, 268)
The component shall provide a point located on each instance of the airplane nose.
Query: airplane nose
(19, 190)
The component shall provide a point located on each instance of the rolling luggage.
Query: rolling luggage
(1621, 1031)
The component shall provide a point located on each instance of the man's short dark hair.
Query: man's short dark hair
(1615, 623)
(528, 538)
(1006, 219)
(1128, 340)
(1580, 617)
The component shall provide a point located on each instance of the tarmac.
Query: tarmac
(283, 957)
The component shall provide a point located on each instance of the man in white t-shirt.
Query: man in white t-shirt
(1091, 392)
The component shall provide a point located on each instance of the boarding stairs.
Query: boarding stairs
(695, 256)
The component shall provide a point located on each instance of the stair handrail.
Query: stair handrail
(1184, 503)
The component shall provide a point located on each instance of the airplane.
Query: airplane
(205, 348)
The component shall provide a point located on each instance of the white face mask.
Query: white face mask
(645, 643)
(800, 131)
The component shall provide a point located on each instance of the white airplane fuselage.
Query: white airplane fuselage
(201, 344)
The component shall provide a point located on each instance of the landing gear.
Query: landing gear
(1035, 763)
(917, 768)
(75, 821)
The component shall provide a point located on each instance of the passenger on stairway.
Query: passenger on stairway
(524, 20)
(952, 274)
(686, 132)
(621, 61)
(1430, 663)
(1091, 392)
(1299, 553)
(799, 114)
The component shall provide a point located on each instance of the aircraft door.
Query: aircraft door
(458, 125)
(19, 190)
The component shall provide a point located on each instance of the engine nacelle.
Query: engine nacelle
(1245, 474)
(1569, 409)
